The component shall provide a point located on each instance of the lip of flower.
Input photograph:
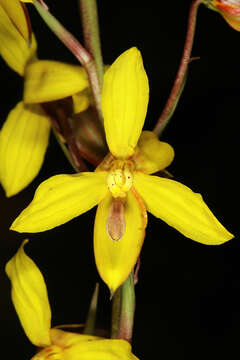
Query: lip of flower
(30, 298)
(121, 186)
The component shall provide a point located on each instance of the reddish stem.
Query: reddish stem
(86, 61)
(59, 120)
(76, 48)
(69, 136)
(28, 21)
(90, 24)
(180, 78)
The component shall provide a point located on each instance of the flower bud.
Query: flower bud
(229, 9)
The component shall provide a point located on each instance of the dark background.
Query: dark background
(188, 294)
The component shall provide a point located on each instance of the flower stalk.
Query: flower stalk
(59, 118)
(90, 24)
(123, 310)
(180, 80)
(91, 318)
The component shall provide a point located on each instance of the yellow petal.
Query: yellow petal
(29, 296)
(64, 339)
(152, 155)
(60, 199)
(23, 143)
(15, 12)
(101, 349)
(81, 101)
(51, 352)
(59, 341)
(125, 96)
(13, 47)
(52, 80)
(181, 208)
(72, 346)
(115, 259)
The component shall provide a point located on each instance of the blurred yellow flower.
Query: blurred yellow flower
(25, 133)
(30, 298)
(121, 185)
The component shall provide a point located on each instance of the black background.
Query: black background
(188, 294)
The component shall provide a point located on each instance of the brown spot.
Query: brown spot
(116, 220)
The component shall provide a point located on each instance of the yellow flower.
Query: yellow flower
(229, 9)
(30, 298)
(25, 133)
(121, 186)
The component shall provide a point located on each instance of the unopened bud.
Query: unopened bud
(229, 9)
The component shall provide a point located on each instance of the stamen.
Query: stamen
(120, 178)
(116, 220)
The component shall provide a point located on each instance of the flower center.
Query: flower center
(120, 178)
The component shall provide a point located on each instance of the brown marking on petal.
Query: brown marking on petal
(52, 352)
(116, 224)
(105, 165)
(136, 271)
(228, 7)
(28, 22)
(141, 206)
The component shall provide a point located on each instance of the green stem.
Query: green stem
(91, 318)
(89, 15)
(179, 82)
(64, 149)
(116, 312)
(123, 310)
(128, 309)
(76, 48)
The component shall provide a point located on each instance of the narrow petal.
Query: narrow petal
(13, 47)
(60, 199)
(23, 143)
(15, 12)
(107, 349)
(152, 155)
(181, 208)
(115, 259)
(30, 298)
(52, 80)
(125, 97)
